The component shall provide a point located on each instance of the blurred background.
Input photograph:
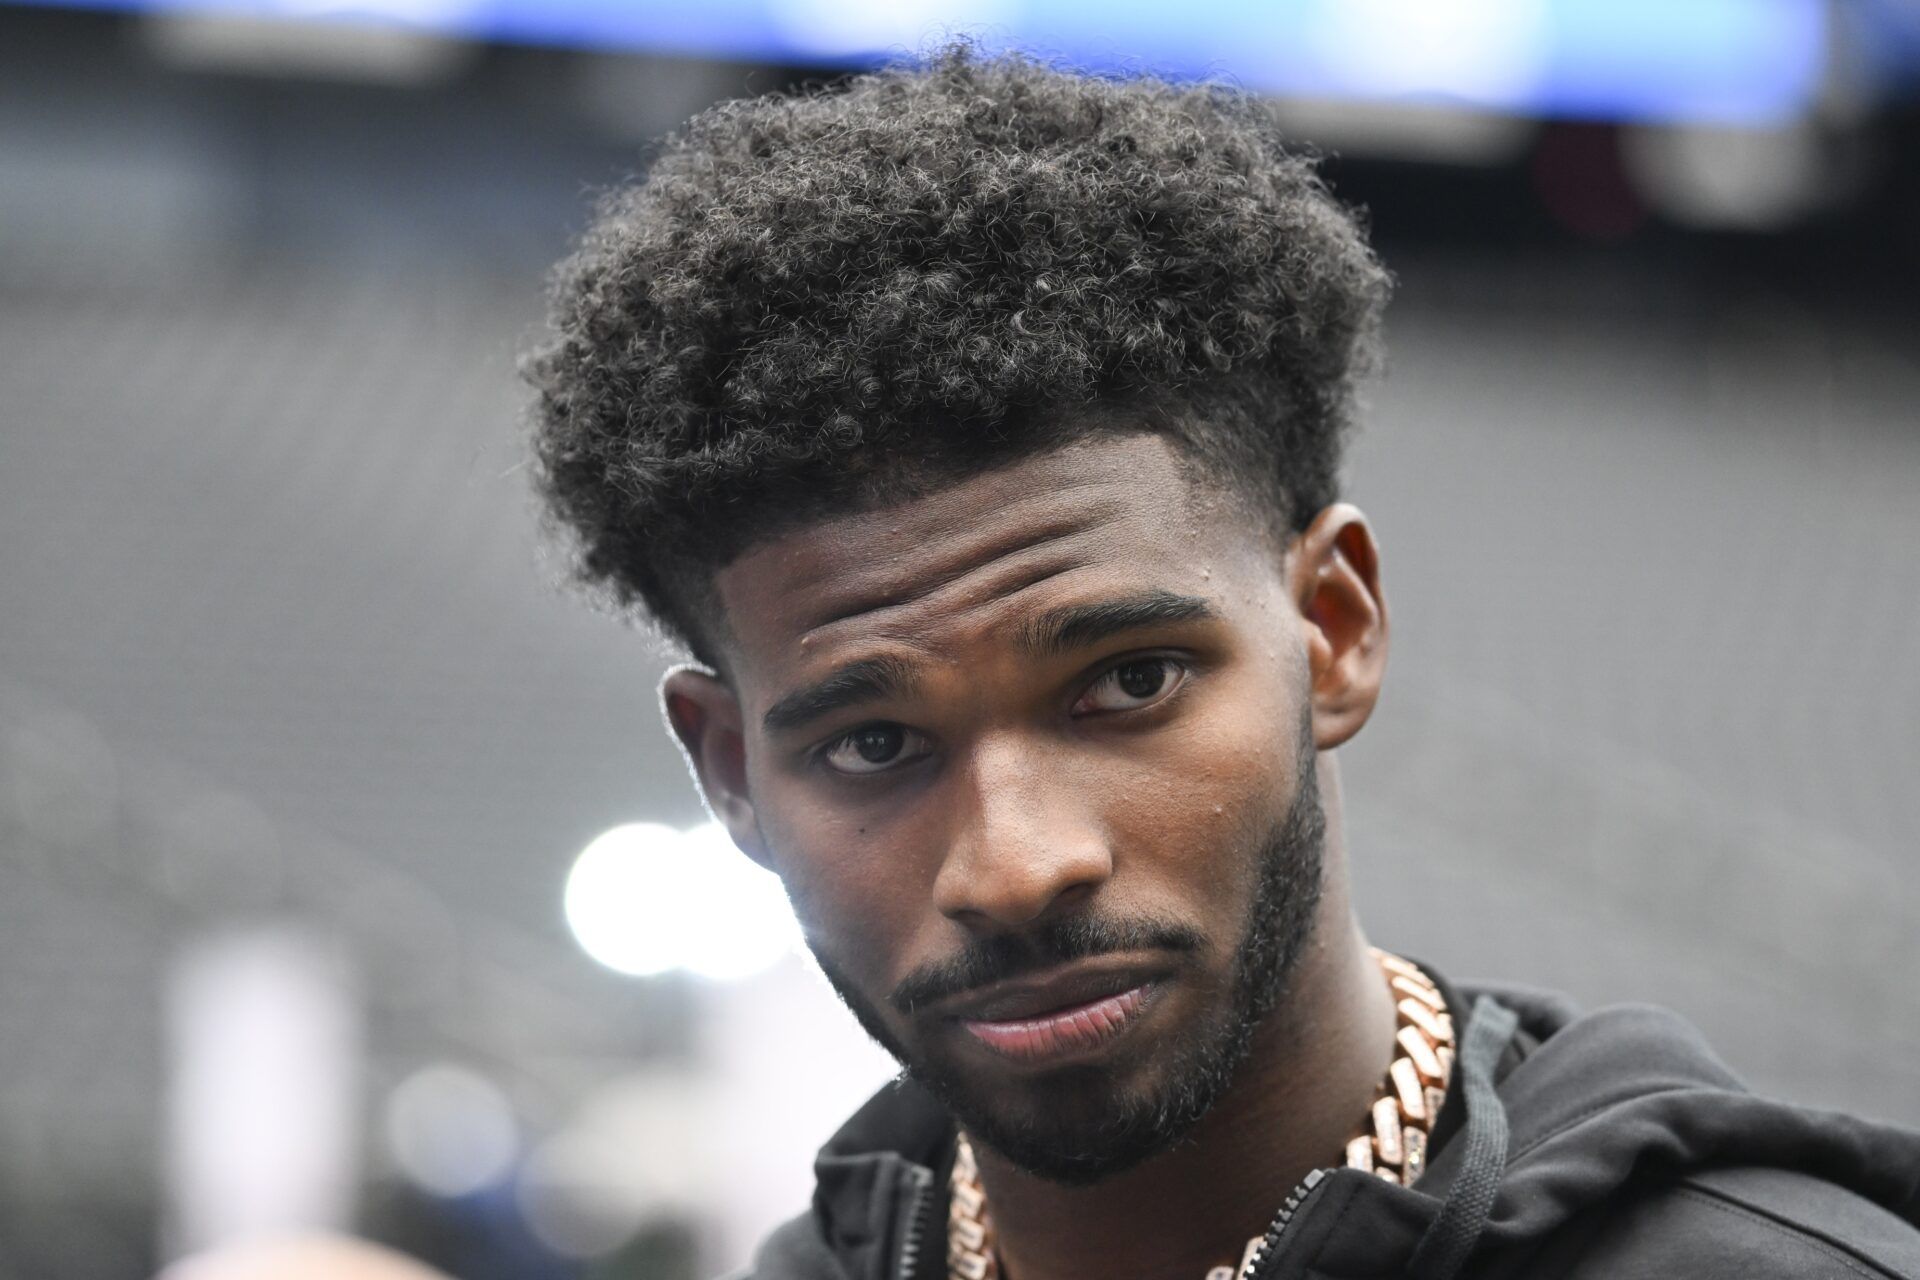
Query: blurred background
(347, 876)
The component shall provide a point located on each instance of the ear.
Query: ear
(1333, 574)
(705, 716)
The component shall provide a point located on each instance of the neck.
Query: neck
(1301, 1093)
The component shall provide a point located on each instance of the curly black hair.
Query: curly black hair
(827, 301)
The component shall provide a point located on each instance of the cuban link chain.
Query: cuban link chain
(1391, 1143)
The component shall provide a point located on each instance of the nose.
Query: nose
(1024, 843)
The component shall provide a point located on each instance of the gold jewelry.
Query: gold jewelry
(1391, 1144)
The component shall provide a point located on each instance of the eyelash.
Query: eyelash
(1179, 671)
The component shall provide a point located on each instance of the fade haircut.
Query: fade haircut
(831, 301)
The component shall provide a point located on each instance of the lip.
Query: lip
(1063, 1033)
(1062, 1012)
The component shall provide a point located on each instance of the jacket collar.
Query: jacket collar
(879, 1195)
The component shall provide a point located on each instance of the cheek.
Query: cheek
(852, 885)
(1196, 811)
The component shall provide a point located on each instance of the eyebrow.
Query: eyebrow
(1053, 633)
(1075, 626)
(867, 680)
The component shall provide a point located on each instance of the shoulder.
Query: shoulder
(794, 1251)
(1754, 1224)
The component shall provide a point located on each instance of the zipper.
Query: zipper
(1270, 1243)
(922, 1203)
(918, 1212)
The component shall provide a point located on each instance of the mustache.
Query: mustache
(1005, 956)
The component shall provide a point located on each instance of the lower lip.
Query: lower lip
(1064, 1032)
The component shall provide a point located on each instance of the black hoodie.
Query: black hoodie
(1613, 1144)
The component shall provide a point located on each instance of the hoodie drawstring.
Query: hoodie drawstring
(1450, 1238)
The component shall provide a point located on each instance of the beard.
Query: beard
(1081, 1124)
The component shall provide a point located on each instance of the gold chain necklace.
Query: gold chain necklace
(1391, 1142)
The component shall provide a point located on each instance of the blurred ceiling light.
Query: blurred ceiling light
(645, 899)
(1732, 179)
(1482, 51)
(451, 1131)
(262, 1108)
(835, 28)
(364, 44)
(418, 13)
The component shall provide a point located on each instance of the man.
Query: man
(975, 428)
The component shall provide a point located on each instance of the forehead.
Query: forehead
(1114, 512)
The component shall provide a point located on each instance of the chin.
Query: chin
(1079, 1124)
(1079, 1131)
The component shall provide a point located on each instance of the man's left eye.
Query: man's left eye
(1139, 682)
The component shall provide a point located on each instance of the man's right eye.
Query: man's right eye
(872, 748)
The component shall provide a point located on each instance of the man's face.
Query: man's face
(1033, 758)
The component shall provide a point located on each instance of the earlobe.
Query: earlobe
(705, 718)
(1334, 576)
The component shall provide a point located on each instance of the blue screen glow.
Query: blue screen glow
(1747, 62)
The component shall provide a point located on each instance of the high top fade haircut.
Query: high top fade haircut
(827, 302)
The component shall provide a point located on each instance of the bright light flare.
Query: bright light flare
(451, 1131)
(646, 899)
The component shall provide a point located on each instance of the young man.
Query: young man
(975, 428)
